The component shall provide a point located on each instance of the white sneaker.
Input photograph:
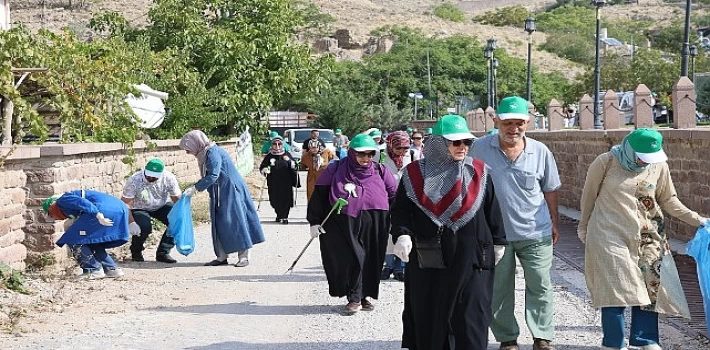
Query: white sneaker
(651, 347)
(114, 273)
(92, 275)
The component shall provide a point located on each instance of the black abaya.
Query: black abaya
(281, 180)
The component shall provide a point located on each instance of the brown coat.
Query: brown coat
(309, 162)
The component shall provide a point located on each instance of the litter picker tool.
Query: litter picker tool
(261, 193)
(339, 204)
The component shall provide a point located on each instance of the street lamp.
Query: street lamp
(685, 51)
(530, 28)
(416, 96)
(693, 52)
(597, 74)
(488, 54)
(494, 82)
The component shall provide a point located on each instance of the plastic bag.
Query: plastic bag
(180, 228)
(699, 248)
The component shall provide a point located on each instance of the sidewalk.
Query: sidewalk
(571, 250)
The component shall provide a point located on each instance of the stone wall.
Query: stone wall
(688, 160)
(27, 179)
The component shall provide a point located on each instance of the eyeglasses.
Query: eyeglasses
(466, 142)
(402, 148)
(416, 138)
(366, 154)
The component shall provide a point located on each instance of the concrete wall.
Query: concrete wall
(32, 174)
(688, 158)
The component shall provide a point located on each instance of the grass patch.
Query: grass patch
(449, 12)
(13, 280)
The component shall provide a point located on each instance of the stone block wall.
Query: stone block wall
(688, 159)
(28, 178)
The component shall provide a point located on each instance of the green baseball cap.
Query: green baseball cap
(273, 134)
(154, 168)
(363, 142)
(376, 133)
(338, 131)
(452, 127)
(648, 145)
(47, 202)
(428, 130)
(513, 107)
(410, 129)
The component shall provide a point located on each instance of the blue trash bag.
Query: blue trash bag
(699, 248)
(180, 228)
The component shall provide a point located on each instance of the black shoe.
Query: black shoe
(399, 276)
(277, 219)
(216, 262)
(166, 258)
(386, 272)
(137, 257)
(284, 221)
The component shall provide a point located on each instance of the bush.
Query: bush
(449, 12)
(513, 16)
(571, 46)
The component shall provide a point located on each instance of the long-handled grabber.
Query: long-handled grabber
(339, 204)
(261, 195)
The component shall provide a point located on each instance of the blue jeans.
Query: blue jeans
(93, 257)
(394, 263)
(644, 327)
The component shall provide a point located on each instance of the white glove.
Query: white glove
(104, 221)
(134, 229)
(316, 230)
(498, 251)
(706, 221)
(582, 235)
(265, 171)
(403, 247)
(190, 191)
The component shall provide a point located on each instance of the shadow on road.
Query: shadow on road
(296, 277)
(250, 308)
(152, 265)
(364, 345)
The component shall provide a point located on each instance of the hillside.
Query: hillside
(360, 17)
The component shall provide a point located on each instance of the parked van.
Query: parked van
(295, 138)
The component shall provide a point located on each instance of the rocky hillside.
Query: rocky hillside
(356, 19)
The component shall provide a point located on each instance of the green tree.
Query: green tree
(449, 12)
(513, 16)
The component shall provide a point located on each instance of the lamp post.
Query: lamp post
(597, 73)
(494, 82)
(530, 28)
(693, 51)
(416, 96)
(685, 51)
(488, 52)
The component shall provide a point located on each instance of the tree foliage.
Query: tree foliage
(513, 16)
(449, 12)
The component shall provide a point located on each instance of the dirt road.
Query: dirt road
(190, 306)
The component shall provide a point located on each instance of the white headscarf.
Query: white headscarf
(198, 144)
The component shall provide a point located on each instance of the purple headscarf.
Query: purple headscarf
(373, 190)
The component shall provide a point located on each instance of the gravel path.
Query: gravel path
(189, 306)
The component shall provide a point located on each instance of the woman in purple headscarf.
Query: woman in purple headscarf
(353, 242)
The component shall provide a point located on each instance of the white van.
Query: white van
(295, 138)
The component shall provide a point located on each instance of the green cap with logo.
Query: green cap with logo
(648, 145)
(47, 202)
(363, 142)
(513, 107)
(273, 134)
(338, 131)
(375, 133)
(452, 127)
(154, 168)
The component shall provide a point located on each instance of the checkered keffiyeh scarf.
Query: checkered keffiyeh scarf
(449, 192)
(395, 140)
